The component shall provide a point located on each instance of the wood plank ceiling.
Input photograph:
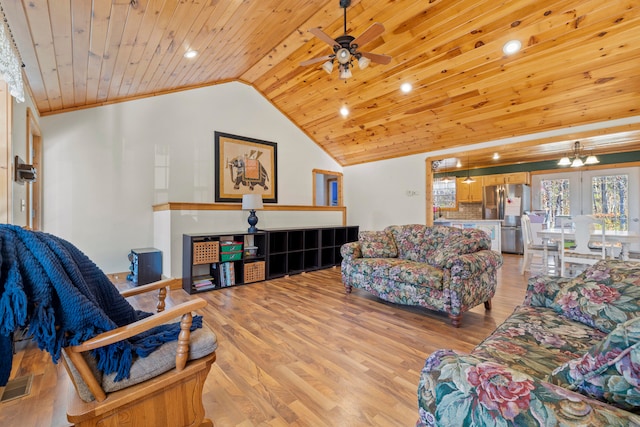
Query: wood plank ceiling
(578, 65)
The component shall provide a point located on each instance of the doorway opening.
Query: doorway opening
(327, 188)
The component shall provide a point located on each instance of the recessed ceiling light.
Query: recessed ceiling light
(511, 47)
(344, 111)
(496, 156)
(406, 87)
(191, 54)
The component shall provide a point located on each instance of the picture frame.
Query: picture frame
(245, 166)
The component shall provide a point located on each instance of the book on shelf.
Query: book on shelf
(203, 282)
(204, 288)
(227, 274)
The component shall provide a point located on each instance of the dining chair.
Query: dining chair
(577, 250)
(532, 248)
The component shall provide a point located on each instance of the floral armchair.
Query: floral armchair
(569, 356)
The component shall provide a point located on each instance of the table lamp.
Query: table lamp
(251, 202)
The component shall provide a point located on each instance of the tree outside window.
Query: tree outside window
(611, 200)
(555, 198)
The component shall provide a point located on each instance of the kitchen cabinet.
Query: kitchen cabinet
(517, 178)
(469, 193)
(506, 178)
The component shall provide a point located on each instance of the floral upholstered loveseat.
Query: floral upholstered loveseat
(569, 356)
(441, 268)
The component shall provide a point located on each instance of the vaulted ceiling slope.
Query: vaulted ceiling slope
(578, 64)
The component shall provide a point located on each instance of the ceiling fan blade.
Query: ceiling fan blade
(314, 60)
(370, 33)
(323, 36)
(374, 57)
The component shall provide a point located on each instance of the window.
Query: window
(555, 198)
(444, 193)
(611, 200)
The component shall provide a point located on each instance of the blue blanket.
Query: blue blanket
(50, 287)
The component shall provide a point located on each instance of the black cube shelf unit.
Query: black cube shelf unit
(280, 252)
(295, 250)
(205, 262)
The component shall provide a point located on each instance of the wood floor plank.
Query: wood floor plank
(298, 351)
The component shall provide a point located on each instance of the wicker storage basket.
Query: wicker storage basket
(205, 252)
(254, 272)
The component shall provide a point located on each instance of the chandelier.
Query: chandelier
(576, 160)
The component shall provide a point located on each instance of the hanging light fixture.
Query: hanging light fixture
(468, 179)
(447, 179)
(577, 158)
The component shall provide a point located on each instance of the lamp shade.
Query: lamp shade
(251, 202)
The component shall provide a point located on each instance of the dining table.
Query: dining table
(624, 238)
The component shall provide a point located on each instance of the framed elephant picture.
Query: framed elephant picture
(245, 166)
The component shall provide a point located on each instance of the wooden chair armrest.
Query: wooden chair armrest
(147, 288)
(135, 328)
(160, 285)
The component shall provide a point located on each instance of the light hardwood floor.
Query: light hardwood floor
(298, 351)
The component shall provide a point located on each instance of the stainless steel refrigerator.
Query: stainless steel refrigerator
(507, 203)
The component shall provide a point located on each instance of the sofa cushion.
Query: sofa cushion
(398, 270)
(466, 241)
(417, 273)
(409, 240)
(609, 371)
(537, 340)
(604, 295)
(377, 244)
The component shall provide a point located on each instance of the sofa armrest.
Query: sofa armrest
(470, 279)
(542, 290)
(351, 250)
(469, 265)
(457, 390)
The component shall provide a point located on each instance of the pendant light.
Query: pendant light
(468, 179)
(446, 178)
(577, 159)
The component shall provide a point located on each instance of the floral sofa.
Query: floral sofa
(569, 356)
(441, 268)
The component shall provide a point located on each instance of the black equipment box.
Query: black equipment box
(146, 265)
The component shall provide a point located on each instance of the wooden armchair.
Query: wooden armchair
(164, 389)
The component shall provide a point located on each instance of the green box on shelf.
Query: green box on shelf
(231, 256)
(230, 246)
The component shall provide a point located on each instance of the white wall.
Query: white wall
(105, 167)
(388, 192)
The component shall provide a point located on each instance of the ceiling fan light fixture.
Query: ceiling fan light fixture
(343, 55)
(345, 72)
(328, 66)
(363, 62)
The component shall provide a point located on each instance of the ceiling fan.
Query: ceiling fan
(345, 48)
